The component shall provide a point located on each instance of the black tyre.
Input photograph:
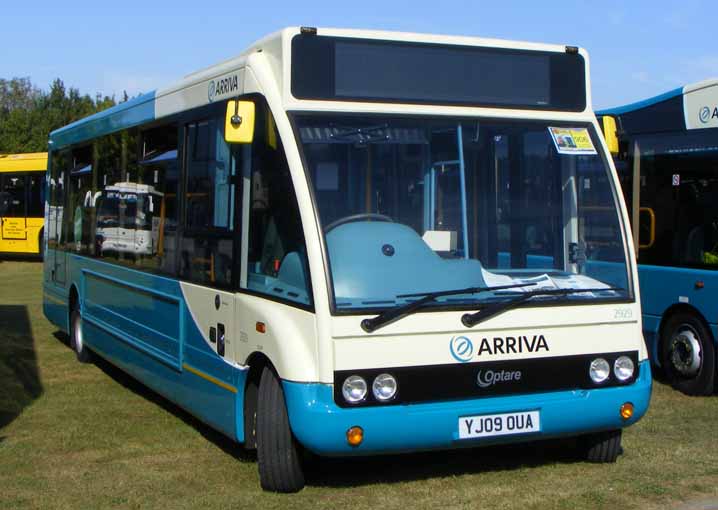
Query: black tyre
(77, 339)
(688, 354)
(278, 454)
(603, 447)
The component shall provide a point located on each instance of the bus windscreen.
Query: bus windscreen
(340, 69)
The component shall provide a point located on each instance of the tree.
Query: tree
(28, 115)
(17, 93)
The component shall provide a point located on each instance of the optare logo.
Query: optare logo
(704, 115)
(489, 377)
(461, 348)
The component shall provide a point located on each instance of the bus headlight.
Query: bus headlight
(354, 389)
(599, 370)
(623, 368)
(384, 387)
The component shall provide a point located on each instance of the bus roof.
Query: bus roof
(23, 162)
(207, 85)
(644, 103)
(679, 109)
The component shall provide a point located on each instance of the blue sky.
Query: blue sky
(637, 48)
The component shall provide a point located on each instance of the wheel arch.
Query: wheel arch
(73, 301)
(256, 362)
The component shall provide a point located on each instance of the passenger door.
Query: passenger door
(207, 273)
(55, 216)
(207, 249)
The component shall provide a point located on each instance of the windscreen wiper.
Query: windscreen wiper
(363, 134)
(472, 319)
(400, 311)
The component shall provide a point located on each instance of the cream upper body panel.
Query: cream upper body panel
(341, 344)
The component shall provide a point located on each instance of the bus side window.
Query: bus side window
(77, 222)
(277, 255)
(208, 242)
(110, 203)
(13, 186)
(103, 201)
(35, 205)
(158, 220)
(131, 211)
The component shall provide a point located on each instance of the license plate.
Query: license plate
(490, 425)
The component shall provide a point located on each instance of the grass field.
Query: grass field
(87, 436)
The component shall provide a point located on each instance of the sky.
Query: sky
(637, 49)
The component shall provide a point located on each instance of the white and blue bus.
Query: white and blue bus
(666, 155)
(353, 235)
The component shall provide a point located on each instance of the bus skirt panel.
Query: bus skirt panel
(196, 390)
(141, 323)
(55, 307)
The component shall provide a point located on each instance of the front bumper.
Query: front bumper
(320, 425)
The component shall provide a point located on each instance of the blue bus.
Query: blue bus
(320, 246)
(666, 154)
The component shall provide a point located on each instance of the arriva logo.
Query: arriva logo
(211, 91)
(461, 348)
(223, 86)
(705, 114)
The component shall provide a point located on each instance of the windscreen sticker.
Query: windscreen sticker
(575, 141)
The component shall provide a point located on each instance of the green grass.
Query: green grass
(87, 436)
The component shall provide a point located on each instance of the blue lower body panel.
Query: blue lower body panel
(55, 306)
(215, 405)
(321, 426)
(141, 323)
(663, 288)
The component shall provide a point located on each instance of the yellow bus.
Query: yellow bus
(22, 203)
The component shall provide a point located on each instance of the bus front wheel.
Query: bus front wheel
(278, 453)
(688, 356)
(77, 339)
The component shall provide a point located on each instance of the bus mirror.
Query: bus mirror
(239, 122)
(609, 133)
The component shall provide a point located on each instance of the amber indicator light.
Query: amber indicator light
(626, 411)
(355, 436)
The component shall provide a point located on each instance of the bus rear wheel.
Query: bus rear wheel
(603, 447)
(278, 453)
(688, 356)
(77, 338)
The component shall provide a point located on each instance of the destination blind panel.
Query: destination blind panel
(344, 69)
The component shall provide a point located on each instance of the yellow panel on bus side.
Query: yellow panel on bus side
(36, 161)
(20, 235)
(18, 246)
